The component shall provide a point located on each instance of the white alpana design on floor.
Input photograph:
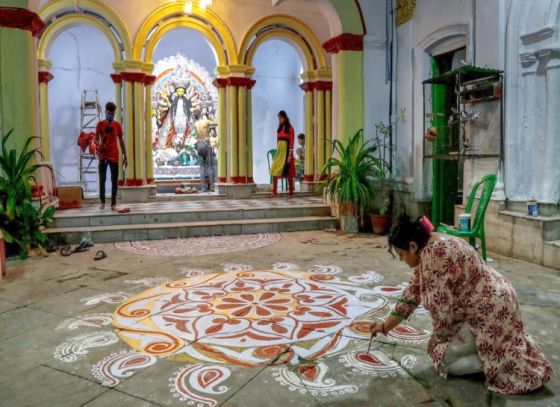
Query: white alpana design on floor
(188, 272)
(325, 269)
(368, 277)
(74, 348)
(227, 267)
(109, 298)
(149, 281)
(199, 246)
(120, 365)
(195, 383)
(245, 318)
(285, 266)
(311, 379)
(301, 322)
(91, 320)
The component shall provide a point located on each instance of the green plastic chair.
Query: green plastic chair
(488, 182)
(270, 157)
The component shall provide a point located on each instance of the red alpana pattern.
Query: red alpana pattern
(456, 286)
(246, 318)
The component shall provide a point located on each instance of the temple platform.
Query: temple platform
(181, 216)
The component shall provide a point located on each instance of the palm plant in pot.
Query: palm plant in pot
(382, 170)
(21, 222)
(347, 183)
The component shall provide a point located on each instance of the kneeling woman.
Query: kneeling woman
(477, 324)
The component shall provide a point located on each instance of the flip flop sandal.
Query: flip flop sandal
(123, 210)
(308, 240)
(100, 255)
(80, 249)
(66, 251)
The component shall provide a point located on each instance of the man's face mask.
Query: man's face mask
(109, 116)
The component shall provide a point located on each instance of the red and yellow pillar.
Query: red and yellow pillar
(19, 95)
(235, 150)
(318, 117)
(44, 78)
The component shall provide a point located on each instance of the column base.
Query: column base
(236, 191)
(132, 194)
(310, 186)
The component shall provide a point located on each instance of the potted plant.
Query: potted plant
(381, 171)
(21, 222)
(347, 184)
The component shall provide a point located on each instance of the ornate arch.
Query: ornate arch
(172, 15)
(350, 15)
(60, 14)
(286, 28)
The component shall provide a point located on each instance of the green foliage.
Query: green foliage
(20, 221)
(348, 170)
(382, 168)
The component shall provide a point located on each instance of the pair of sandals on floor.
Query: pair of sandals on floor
(82, 247)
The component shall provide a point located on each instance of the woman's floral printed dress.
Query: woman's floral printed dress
(457, 287)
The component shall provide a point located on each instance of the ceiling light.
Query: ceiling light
(188, 6)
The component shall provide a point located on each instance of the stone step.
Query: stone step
(156, 231)
(549, 225)
(551, 254)
(175, 214)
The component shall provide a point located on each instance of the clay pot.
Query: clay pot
(349, 209)
(497, 90)
(379, 223)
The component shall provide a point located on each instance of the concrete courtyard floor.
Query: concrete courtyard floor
(58, 345)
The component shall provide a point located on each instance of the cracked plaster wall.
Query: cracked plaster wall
(81, 59)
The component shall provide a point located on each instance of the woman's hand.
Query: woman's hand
(289, 159)
(377, 328)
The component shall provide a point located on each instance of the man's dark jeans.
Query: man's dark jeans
(114, 167)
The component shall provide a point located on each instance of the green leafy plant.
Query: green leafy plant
(348, 172)
(382, 166)
(20, 221)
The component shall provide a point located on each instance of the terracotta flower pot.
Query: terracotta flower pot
(349, 209)
(379, 223)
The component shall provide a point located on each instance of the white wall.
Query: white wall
(533, 103)
(277, 72)
(81, 59)
(480, 25)
(376, 83)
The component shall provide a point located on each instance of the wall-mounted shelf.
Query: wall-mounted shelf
(470, 85)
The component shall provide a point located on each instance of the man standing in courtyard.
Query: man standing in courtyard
(106, 135)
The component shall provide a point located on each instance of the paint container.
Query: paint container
(532, 207)
(465, 222)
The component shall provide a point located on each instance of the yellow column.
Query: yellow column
(309, 172)
(222, 131)
(129, 129)
(242, 129)
(328, 122)
(320, 130)
(139, 135)
(117, 80)
(250, 134)
(118, 101)
(350, 81)
(148, 130)
(44, 78)
(232, 164)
